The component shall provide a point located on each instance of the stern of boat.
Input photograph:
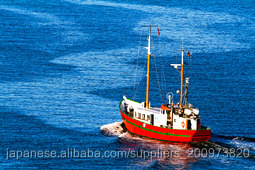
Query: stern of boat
(202, 135)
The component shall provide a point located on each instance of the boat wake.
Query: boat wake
(235, 138)
(113, 129)
(237, 142)
(220, 145)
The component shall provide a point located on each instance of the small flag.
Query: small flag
(158, 31)
(189, 54)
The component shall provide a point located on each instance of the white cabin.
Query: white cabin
(162, 117)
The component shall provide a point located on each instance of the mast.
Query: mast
(148, 68)
(182, 72)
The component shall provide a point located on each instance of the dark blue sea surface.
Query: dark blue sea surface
(65, 65)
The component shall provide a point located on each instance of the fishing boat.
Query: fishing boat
(179, 122)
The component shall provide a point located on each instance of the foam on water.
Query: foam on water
(70, 30)
(84, 97)
(50, 99)
(249, 147)
(95, 66)
(187, 152)
(192, 27)
(50, 19)
(113, 129)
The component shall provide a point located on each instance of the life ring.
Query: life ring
(183, 124)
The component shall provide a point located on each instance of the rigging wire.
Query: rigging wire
(136, 70)
(163, 69)
(136, 66)
(140, 79)
(137, 62)
(163, 81)
(191, 71)
(156, 71)
(164, 78)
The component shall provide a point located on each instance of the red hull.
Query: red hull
(164, 134)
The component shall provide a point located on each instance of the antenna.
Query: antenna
(182, 44)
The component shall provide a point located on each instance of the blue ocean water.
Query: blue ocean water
(65, 65)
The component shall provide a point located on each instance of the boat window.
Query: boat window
(139, 115)
(143, 116)
(148, 117)
(135, 114)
